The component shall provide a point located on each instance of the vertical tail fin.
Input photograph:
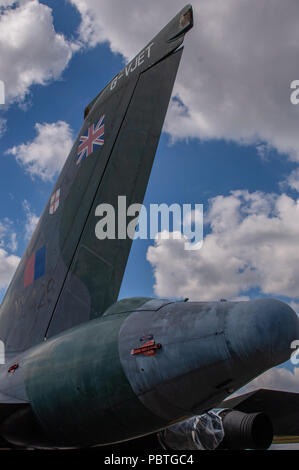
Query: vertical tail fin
(67, 275)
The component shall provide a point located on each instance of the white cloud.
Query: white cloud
(239, 61)
(126, 26)
(45, 155)
(8, 265)
(6, 3)
(8, 238)
(31, 51)
(293, 180)
(8, 261)
(31, 220)
(253, 243)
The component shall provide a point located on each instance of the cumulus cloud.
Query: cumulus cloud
(8, 237)
(6, 3)
(239, 61)
(293, 180)
(45, 155)
(253, 243)
(30, 49)
(126, 26)
(8, 261)
(8, 265)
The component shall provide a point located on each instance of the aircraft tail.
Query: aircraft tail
(67, 275)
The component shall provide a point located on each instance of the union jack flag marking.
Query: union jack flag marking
(54, 202)
(93, 137)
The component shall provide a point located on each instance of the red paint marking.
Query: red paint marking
(147, 349)
(13, 367)
(29, 271)
(54, 203)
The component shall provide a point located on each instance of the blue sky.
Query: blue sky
(230, 139)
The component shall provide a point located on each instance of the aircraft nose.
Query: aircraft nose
(261, 332)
